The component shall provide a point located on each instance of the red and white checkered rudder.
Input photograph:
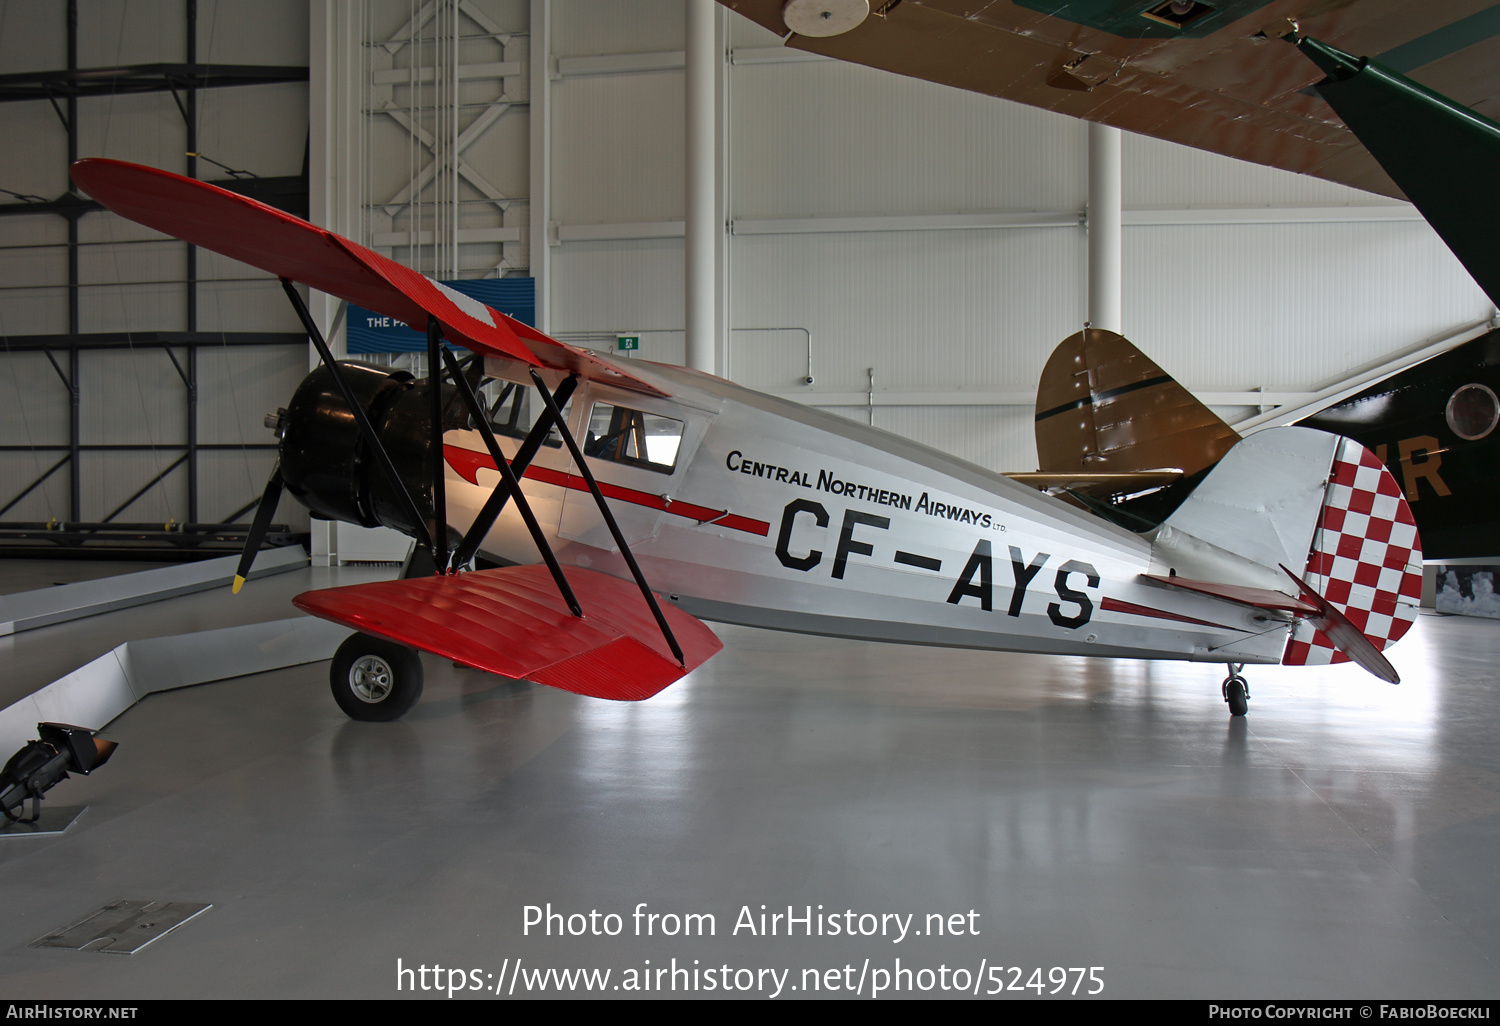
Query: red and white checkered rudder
(1366, 558)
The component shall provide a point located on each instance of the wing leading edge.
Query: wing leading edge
(289, 247)
(512, 622)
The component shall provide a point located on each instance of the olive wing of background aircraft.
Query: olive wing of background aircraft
(656, 495)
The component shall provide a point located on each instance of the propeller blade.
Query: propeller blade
(263, 513)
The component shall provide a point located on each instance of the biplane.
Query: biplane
(627, 502)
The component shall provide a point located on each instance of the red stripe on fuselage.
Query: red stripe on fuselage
(467, 463)
(1114, 605)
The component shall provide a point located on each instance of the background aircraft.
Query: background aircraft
(1203, 74)
(735, 506)
(1434, 425)
(1125, 440)
(1111, 424)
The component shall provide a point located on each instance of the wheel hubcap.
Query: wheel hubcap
(371, 678)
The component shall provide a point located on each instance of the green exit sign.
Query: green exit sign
(623, 342)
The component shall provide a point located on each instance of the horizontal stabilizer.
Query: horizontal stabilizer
(1345, 637)
(1312, 607)
(1258, 598)
(512, 622)
(1104, 484)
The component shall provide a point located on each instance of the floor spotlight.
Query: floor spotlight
(60, 749)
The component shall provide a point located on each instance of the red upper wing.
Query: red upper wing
(289, 247)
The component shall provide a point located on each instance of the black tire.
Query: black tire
(1237, 696)
(375, 680)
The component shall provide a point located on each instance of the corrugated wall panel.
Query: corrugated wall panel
(997, 437)
(157, 307)
(34, 159)
(225, 114)
(1289, 306)
(617, 148)
(925, 309)
(237, 297)
(35, 255)
(500, 153)
(610, 286)
(34, 312)
(43, 264)
(131, 397)
(110, 478)
(745, 33)
(263, 32)
(132, 278)
(112, 34)
(227, 481)
(588, 27)
(48, 501)
(828, 139)
(258, 305)
(247, 383)
(133, 288)
(145, 128)
(31, 43)
(33, 401)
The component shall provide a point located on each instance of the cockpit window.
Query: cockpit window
(514, 408)
(622, 435)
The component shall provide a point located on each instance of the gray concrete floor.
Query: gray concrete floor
(1338, 842)
(32, 659)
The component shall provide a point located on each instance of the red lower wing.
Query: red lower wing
(513, 622)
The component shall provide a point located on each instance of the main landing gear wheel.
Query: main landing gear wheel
(1236, 691)
(374, 679)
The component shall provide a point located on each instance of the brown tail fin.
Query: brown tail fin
(1103, 406)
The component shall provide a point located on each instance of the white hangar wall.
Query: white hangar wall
(863, 214)
(1237, 277)
(132, 279)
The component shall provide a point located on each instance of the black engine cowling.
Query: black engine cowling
(329, 466)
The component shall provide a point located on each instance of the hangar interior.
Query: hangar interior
(897, 252)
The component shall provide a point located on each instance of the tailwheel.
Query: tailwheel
(1236, 691)
(374, 679)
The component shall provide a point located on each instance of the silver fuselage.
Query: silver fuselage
(781, 516)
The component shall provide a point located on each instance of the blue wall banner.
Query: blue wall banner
(371, 332)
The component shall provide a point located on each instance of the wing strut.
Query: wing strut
(609, 518)
(359, 415)
(508, 478)
(495, 505)
(435, 412)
